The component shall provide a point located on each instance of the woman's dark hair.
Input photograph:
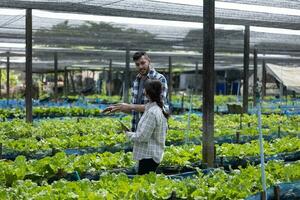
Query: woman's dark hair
(153, 89)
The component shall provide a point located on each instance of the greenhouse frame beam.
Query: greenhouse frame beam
(170, 79)
(55, 74)
(208, 81)
(127, 76)
(246, 68)
(110, 77)
(264, 78)
(42, 78)
(254, 76)
(72, 81)
(66, 84)
(28, 99)
(7, 77)
(0, 83)
(196, 75)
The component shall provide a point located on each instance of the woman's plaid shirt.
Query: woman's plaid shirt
(150, 136)
(135, 89)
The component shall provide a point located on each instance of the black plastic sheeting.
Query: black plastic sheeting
(235, 162)
(287, 191)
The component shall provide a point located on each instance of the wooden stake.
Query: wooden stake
(277, 192)
(238, 137)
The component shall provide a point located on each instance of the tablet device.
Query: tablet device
(124, 127)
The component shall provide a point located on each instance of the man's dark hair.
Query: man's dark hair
(138, 55)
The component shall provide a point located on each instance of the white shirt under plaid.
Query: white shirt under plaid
(150, 136)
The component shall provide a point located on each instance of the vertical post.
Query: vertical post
(281, 91)
(72, 81)
(197, 76)
(264, 79)
(126, 74)
(55, 74)
(261, 145)
(246, 68)
(28, 99)
(0, 83)
(208, 81)
(110, 77)
(66, 81)
(276, 192)
(42, 85)
(254, 75)
(7, 76)
(81, 79)
(170, 79)
(1, 150)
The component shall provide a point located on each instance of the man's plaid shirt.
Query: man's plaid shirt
(135, 89)
(150, 136)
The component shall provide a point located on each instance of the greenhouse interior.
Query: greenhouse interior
(150, 99)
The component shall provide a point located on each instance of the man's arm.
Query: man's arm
(124, 107)
(164, 94)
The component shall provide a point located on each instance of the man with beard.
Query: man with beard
(139, 99)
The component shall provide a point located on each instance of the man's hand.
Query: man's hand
(120, 107)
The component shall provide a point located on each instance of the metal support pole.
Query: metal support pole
(170, 79)
(72, 81)
(126, 77)
(261, 142)
(65, 81)
(246, 68)
(264, 79)
(208, 81)
(28, 98)
(42, 85)
(81, 79)
(55, 74)
(254, 76)
(0, 83)
(7, 77)
(281, 91)
(110, 78)
(197, 76)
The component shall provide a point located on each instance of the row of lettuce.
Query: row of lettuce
(238, 184)
(176, 157)
(44, 112)
(73, 109)
(223, 125)
(23, 178)
(186, 98)
(44, 135)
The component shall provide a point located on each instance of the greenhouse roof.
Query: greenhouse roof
(251, 12)
(53, 30)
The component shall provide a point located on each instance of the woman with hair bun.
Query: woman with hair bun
(150, 135)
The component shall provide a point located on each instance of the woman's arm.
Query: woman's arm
(125, 107)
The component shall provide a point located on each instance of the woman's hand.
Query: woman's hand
(120, 107)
